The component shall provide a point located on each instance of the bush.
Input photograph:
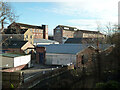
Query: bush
(109, 85)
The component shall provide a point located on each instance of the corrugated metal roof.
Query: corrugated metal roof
(69, 48)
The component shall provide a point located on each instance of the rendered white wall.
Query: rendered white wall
(22, 60)
(7, 62)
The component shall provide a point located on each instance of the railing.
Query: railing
(38, 77)
(17, 80)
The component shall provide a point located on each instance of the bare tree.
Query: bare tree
(6, 14)
(111, 28)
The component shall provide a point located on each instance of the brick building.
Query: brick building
(17, 46)
(62, 33)
(40, 54)
(81, 41)
(66, 54)
(20, 28)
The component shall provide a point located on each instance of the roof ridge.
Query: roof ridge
(28, 24)
(66, 26)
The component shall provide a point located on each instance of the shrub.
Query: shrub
(109, 85)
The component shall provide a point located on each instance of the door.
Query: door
(41, 57)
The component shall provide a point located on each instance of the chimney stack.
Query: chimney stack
(45, 31)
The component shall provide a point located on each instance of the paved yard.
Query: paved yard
(37, 68)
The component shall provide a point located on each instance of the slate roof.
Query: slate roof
(39, 40)
(88, 31)
(79, 40)
(27, 25)
(69, 48)
(13, 31)
(13, 36)
(51, 37)
(70, 28)
(67, 26)
(6, 38)
(73, 29)
(14, 44)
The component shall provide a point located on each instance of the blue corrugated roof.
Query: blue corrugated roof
(69, 48)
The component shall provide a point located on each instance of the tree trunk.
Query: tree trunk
(2, 24)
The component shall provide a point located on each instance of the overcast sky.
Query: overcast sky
(83, 14)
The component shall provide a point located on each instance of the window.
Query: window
(26, 36)
(75, 29)
(41, 31)
(31, 30)
(66, 28)
(58, 28)
(57, 31)
(31, 36)
(34, 30)
(82, 61)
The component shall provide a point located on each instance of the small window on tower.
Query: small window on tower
(57, 31)
(31, 36)
(26, 36)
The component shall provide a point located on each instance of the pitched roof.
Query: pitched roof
(39, 40)
(51, 37)
(63, 48)
(76, 29)
(79, 40)
(12, 31)
(27, 25)
(69, 48)
(65, 27)
(14, 44)
(88, 31)
(12, 55)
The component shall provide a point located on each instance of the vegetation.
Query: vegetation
(108, 68)
(109, 85)
(7, 14)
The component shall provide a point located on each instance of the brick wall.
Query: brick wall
(58, 35)
(14, 50)
(40, 50)
(69, 34)
(78, 34)
(45, 31)
(88, 54)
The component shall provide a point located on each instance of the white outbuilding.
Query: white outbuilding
(9, 60)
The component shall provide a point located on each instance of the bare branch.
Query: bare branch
(7, 13)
